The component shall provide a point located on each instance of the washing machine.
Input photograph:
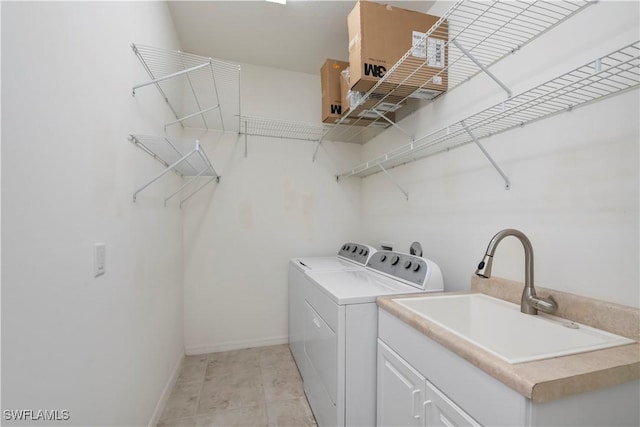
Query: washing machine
(340, 332)
(350, 256)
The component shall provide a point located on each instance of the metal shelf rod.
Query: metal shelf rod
(217, 178)
(507, 183)
(197, 113)
(178, 152)
(482, 67)
(170, 76)
(161, 174)
(205, 160)
(195, 97)
(382, 116)
(189, 181)
(393, 181)
(177, 155)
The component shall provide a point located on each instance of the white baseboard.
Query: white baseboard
(236, 345)
(157, 412)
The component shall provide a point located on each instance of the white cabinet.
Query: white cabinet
(401, 391)
(457, 393)
(440, 411)
(406, 398)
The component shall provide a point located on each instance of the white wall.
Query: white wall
(268, 207)
(103, 348)
(574, 177)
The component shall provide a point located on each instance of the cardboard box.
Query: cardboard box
(363, 115)
(379, 35)
(332, 108)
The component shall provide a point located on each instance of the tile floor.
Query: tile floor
(253, 387)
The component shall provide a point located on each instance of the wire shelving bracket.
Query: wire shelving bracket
(507, 183)
(394, 182)
(612, 74)
(477, 35)
(182, 156)
(200, 92)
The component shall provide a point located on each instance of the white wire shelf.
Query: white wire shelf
(276, 128)
(289, 129)
(478, 34)
(201, 92)
(182, 156)
(610, 75)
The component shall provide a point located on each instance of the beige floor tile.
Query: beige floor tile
(253, 387)
(237, 360)
(237, 372)
(181, 422)
(231, 390)
(275, 355)
(243, 417)
(282, 382)
(193, 368)
(254, 416)
(293, 412)
(182, 402)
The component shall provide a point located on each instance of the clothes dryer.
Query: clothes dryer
(341, 328)
(350, 256)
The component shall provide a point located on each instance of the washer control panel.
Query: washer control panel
(356, 252)
(409, 268)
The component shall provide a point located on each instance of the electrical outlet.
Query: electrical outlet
(99, 259)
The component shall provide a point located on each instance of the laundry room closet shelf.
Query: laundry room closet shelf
(201, 92)
(184, 157)
(276, 128)
(612, 74)
(477, 34)
(290, 129)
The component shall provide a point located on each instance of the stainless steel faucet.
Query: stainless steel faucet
(530, 303)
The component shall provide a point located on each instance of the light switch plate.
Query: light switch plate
(99, 259)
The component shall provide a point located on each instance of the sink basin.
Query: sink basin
(500, 328)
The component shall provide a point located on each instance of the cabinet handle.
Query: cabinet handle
(316, 322)
(425, 409)
(414, 395)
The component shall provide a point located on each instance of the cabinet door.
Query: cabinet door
(401, 391)
(441, 411)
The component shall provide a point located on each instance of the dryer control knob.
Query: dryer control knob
(383, 258)
(346, 247)
(361, 252)
(407, 264)
(416, 267)
(366, 252)
(355, 248)
(395, 259)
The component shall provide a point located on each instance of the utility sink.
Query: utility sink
(500, 328)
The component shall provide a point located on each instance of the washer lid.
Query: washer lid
(357, 286)
(329, 263)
